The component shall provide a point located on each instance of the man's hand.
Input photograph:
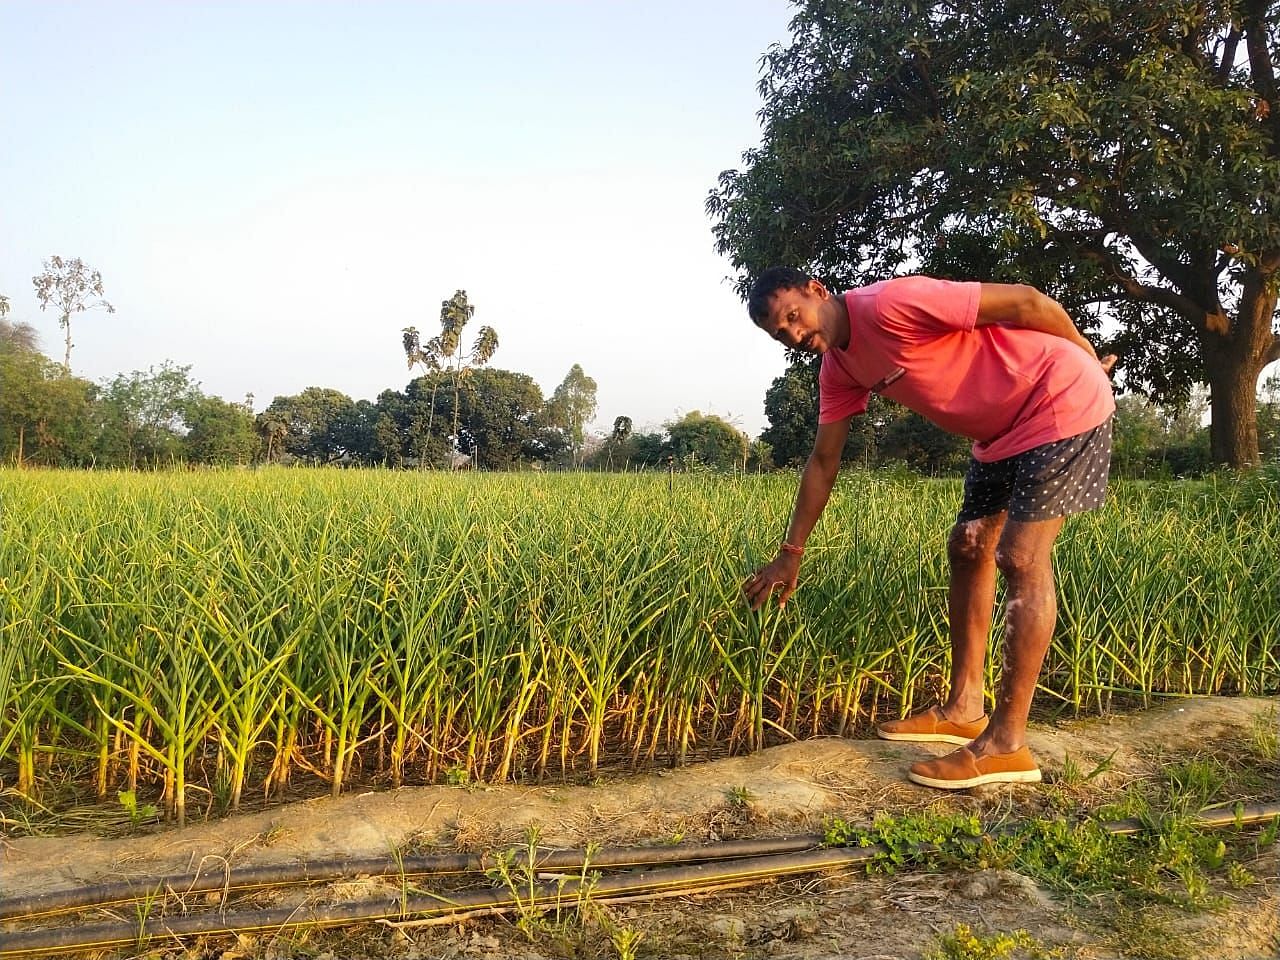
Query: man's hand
(783, 571)
(1108, 363)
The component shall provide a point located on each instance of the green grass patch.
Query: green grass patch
(1170, 861)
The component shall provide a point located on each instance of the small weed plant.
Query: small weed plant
(917, 839)
(739, 798)
(570, 920)
(962, 943)
(138, 813)
(516, 871)
(1073, 775)
(1192, 783)
(1263, 737)
(625, 940)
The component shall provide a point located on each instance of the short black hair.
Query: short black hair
(769, 283)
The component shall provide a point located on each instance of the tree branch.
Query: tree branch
(1135, 289)
(1181, 276)
(1261, 69)
(1272, 353)
(1191, 40)
(1230, 43)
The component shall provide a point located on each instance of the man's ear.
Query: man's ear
(818, 289)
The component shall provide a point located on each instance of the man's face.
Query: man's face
(803, 318)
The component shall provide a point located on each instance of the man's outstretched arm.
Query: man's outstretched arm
(816, 481)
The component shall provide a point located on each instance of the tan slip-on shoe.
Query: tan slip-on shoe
(930, 726)
(961, 769)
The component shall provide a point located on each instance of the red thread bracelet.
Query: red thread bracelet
(792, 549)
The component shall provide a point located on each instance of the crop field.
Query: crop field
(194, 637)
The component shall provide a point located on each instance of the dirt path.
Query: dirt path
(786, 789)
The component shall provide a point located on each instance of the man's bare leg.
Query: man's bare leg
(971, 598)
(1024, 555)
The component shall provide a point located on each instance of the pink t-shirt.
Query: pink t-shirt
(913, 340)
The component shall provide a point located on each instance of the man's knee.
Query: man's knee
(972, 542)
(1018, 560)
(1025, 549)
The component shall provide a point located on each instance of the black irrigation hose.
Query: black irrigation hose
(539, 896)
(291, 874)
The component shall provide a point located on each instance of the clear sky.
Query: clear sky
(273, 189)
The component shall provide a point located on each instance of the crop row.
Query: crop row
(217, 632)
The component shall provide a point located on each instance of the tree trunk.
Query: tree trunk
(1233, 359)
(431, 417)
(1233, 405)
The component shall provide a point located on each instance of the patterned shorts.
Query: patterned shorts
(1053, 480)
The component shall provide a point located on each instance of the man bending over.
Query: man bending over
(1003, 365)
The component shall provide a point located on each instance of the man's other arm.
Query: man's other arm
(1019, 305)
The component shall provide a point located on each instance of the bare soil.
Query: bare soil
(783, 790)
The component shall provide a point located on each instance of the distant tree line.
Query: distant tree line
(696, 441)
(461, 413)
(159, 416)
(496, 420)
(490, 419)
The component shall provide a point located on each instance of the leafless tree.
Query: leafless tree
(69, 286)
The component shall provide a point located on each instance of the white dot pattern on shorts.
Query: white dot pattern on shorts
(1054, 480)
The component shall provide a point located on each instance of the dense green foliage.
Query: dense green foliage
(45, 415)
(1122, 156)
(572, 406)
(230, 628)
(708, 439)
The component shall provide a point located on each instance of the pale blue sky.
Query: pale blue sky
(272, 190)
